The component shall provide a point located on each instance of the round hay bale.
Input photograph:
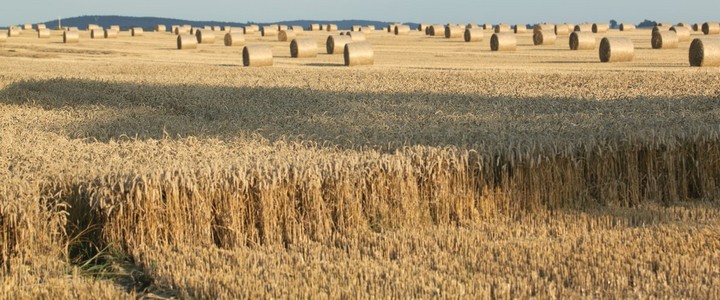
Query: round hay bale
(472, 26)
(331, 27)
(110, 34)
(136, 31)
(209, 27)
(41, 26)
(422, 27)
(711, 28)
(186, 41)
(544, 37)
(282, 27)
(600, 27)
(27, 26)
(705, 52)
(452, 32)
(234, 39)
(357, 36)
(160, 28)
(502, 27)
(115, 27)
(314, 27)
(298, 29)
(97, 34)
(355, 28)
(487, 26)
(474, 35)
(584, 28)
(582, 40)
(697, 27)
(664, 40)
(13, 32)
(562, 29)
(616, 49)
(179, 30)
(683, 33)
(335, 43)
(664, 24)
(173, 28)
(437, 30)
(402, 29)
(543, 26)
(286, 35)
(684, 24)
(205, 36)
(43, 33)
(660, 28)
(358, 53)
(257, 56)
(71, 37)
(520, 28)
(303, 48)
(627, 27)
(270, 31)
(505, 41)
(368, 29)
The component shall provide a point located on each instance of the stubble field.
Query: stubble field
(129, 168)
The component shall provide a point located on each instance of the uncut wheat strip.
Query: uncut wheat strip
(705, 52)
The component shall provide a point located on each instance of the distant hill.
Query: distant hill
(149, 23)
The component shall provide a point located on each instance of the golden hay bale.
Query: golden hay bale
(160, 28)
(600, 27)
(234, 39)
(180, 30)
(205, 36)
(257, 56)
(474, 35)
(270, 31)
(664, 40)
(186, 41)
(664, 24)
(705, 52)
(660, 28)
(683, 33)
(41, 26)
(504, 41)
(97, 33)
(173, 28)
(520, 28)
(357, 36)
(368, 29)
(13, 32)
(437, 30)
(584, 28)
(43, 33)
(110, 34)
(71, 37)
(355, 28)
(582, 40)
(562, 29)
(544, 37)
(402, 29)
(487, 26)
(616, 49)
(286, 35)
(27, 27)
(711, 28)
(452, 32)
(282, 27)
(358, 53)
(314, 27)
(422, 27)
(472, 26)
(298, 29)
(627, 27)
(303, 48)
(136, 31)
(543, 26)
(697, 27)
(684, 24)
(335, 43)
(331, 27)
(502, 27)
(115, 27)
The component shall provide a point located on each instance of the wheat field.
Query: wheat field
(129, 169)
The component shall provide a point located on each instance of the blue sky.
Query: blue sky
(425, 11)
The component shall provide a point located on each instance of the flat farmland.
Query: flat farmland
(442, 170)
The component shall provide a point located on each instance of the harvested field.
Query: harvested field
(442, 170)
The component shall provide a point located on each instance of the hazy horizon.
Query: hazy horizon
(418, 11)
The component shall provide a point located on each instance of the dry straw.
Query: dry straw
(627, 27)
(452, 32)
(110, 33)
(3, 38)
(282, 27)
(286, 35)
(205, 36)
(562, 29)
(487, 26)
(543, 26)
(41, 26)
(502, 27)
(705, 52)
(711, 28)
(97, 33)
(160, 28)
(359, 53)
(303, 48)
(582, 40)
(43, 33)
(71, 37)
(505, 41)
(27, 26)
(584, 27)
(472, 26)
(257, 56)
(13, 32)
(181, 30)
(544, 37)
(355, 28)
(683, 33)
(234, 39)
(402, 29)
(136, 31)
(269, 31)
(298, 29)
(331, 27)
(173, 28)
(664, 40)
(600, 27)
(697, 27)
(186, 41)
(616, 49)
(314, 27)
(115, 27)
(357, 36)
(520, 28)
(422, 27)
(335, 43)
(474, 35)
(368, 29)
(437, 30)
